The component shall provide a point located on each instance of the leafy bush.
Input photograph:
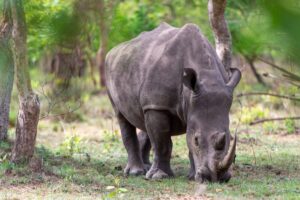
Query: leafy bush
(115, 190)
(270, 127)
(253, 113)
(290, 126)
(71, 145)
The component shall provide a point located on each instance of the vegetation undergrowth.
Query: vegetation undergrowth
(80, 164)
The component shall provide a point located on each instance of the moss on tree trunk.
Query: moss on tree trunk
(29, 106)
(6, 69)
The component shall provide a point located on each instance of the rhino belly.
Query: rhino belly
(145, 73)
(125, 99)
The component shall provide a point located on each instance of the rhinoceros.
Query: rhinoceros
(166, 82)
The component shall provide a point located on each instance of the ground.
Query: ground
(85, 158)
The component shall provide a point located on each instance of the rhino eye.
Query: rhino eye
(190, 78)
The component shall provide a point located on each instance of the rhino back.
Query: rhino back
(146, 72)
(129, 65)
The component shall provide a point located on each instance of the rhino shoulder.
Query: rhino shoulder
(191, 28)
(191, 33)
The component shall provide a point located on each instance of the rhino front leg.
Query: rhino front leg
(135, 164)
(192, 171)
(158, 130)
(145, 146)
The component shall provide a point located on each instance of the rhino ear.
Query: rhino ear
(189, 78)
(235, 77)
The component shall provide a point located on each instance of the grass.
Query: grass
(266, 168)
(84, 159)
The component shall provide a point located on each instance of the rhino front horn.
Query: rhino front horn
(229, 158)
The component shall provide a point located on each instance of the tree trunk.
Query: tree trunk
(6, 69)
(100, 59)
(216, 9)
(91, 63)
(65, 63)
(29, 106)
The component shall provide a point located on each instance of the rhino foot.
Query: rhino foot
(157, 174)
(134, 170)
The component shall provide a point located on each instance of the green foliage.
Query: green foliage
(112, 139)
(270, 127)
(115, 191)
(290, 126)
(67, 171)
(247, 36)
(250, 114)
(94, 166)
(133, 22)
(65, 27)
(285, 17)
(274, 175)
(5, 163)
(50, 23)
(13, 114)
(290, 90)
(256, 26)
(4, 145)
(71, 145)
(111, 135)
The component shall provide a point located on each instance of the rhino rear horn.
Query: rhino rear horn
(235, 77)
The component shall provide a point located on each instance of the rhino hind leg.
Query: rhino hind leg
(158, 130)
(135, 164)
(145, 146)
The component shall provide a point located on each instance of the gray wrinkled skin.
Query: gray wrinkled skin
(167, 82)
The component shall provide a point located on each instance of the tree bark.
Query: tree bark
(273, 119)
(216, 10)
(6, 69)
(286, 73)
(254, 71)
(293, 98)
(100, 59)
(29, 106)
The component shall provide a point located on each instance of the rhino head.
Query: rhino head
(208, 104)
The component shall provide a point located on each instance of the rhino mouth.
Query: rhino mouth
(218, 173)
(206, 177)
